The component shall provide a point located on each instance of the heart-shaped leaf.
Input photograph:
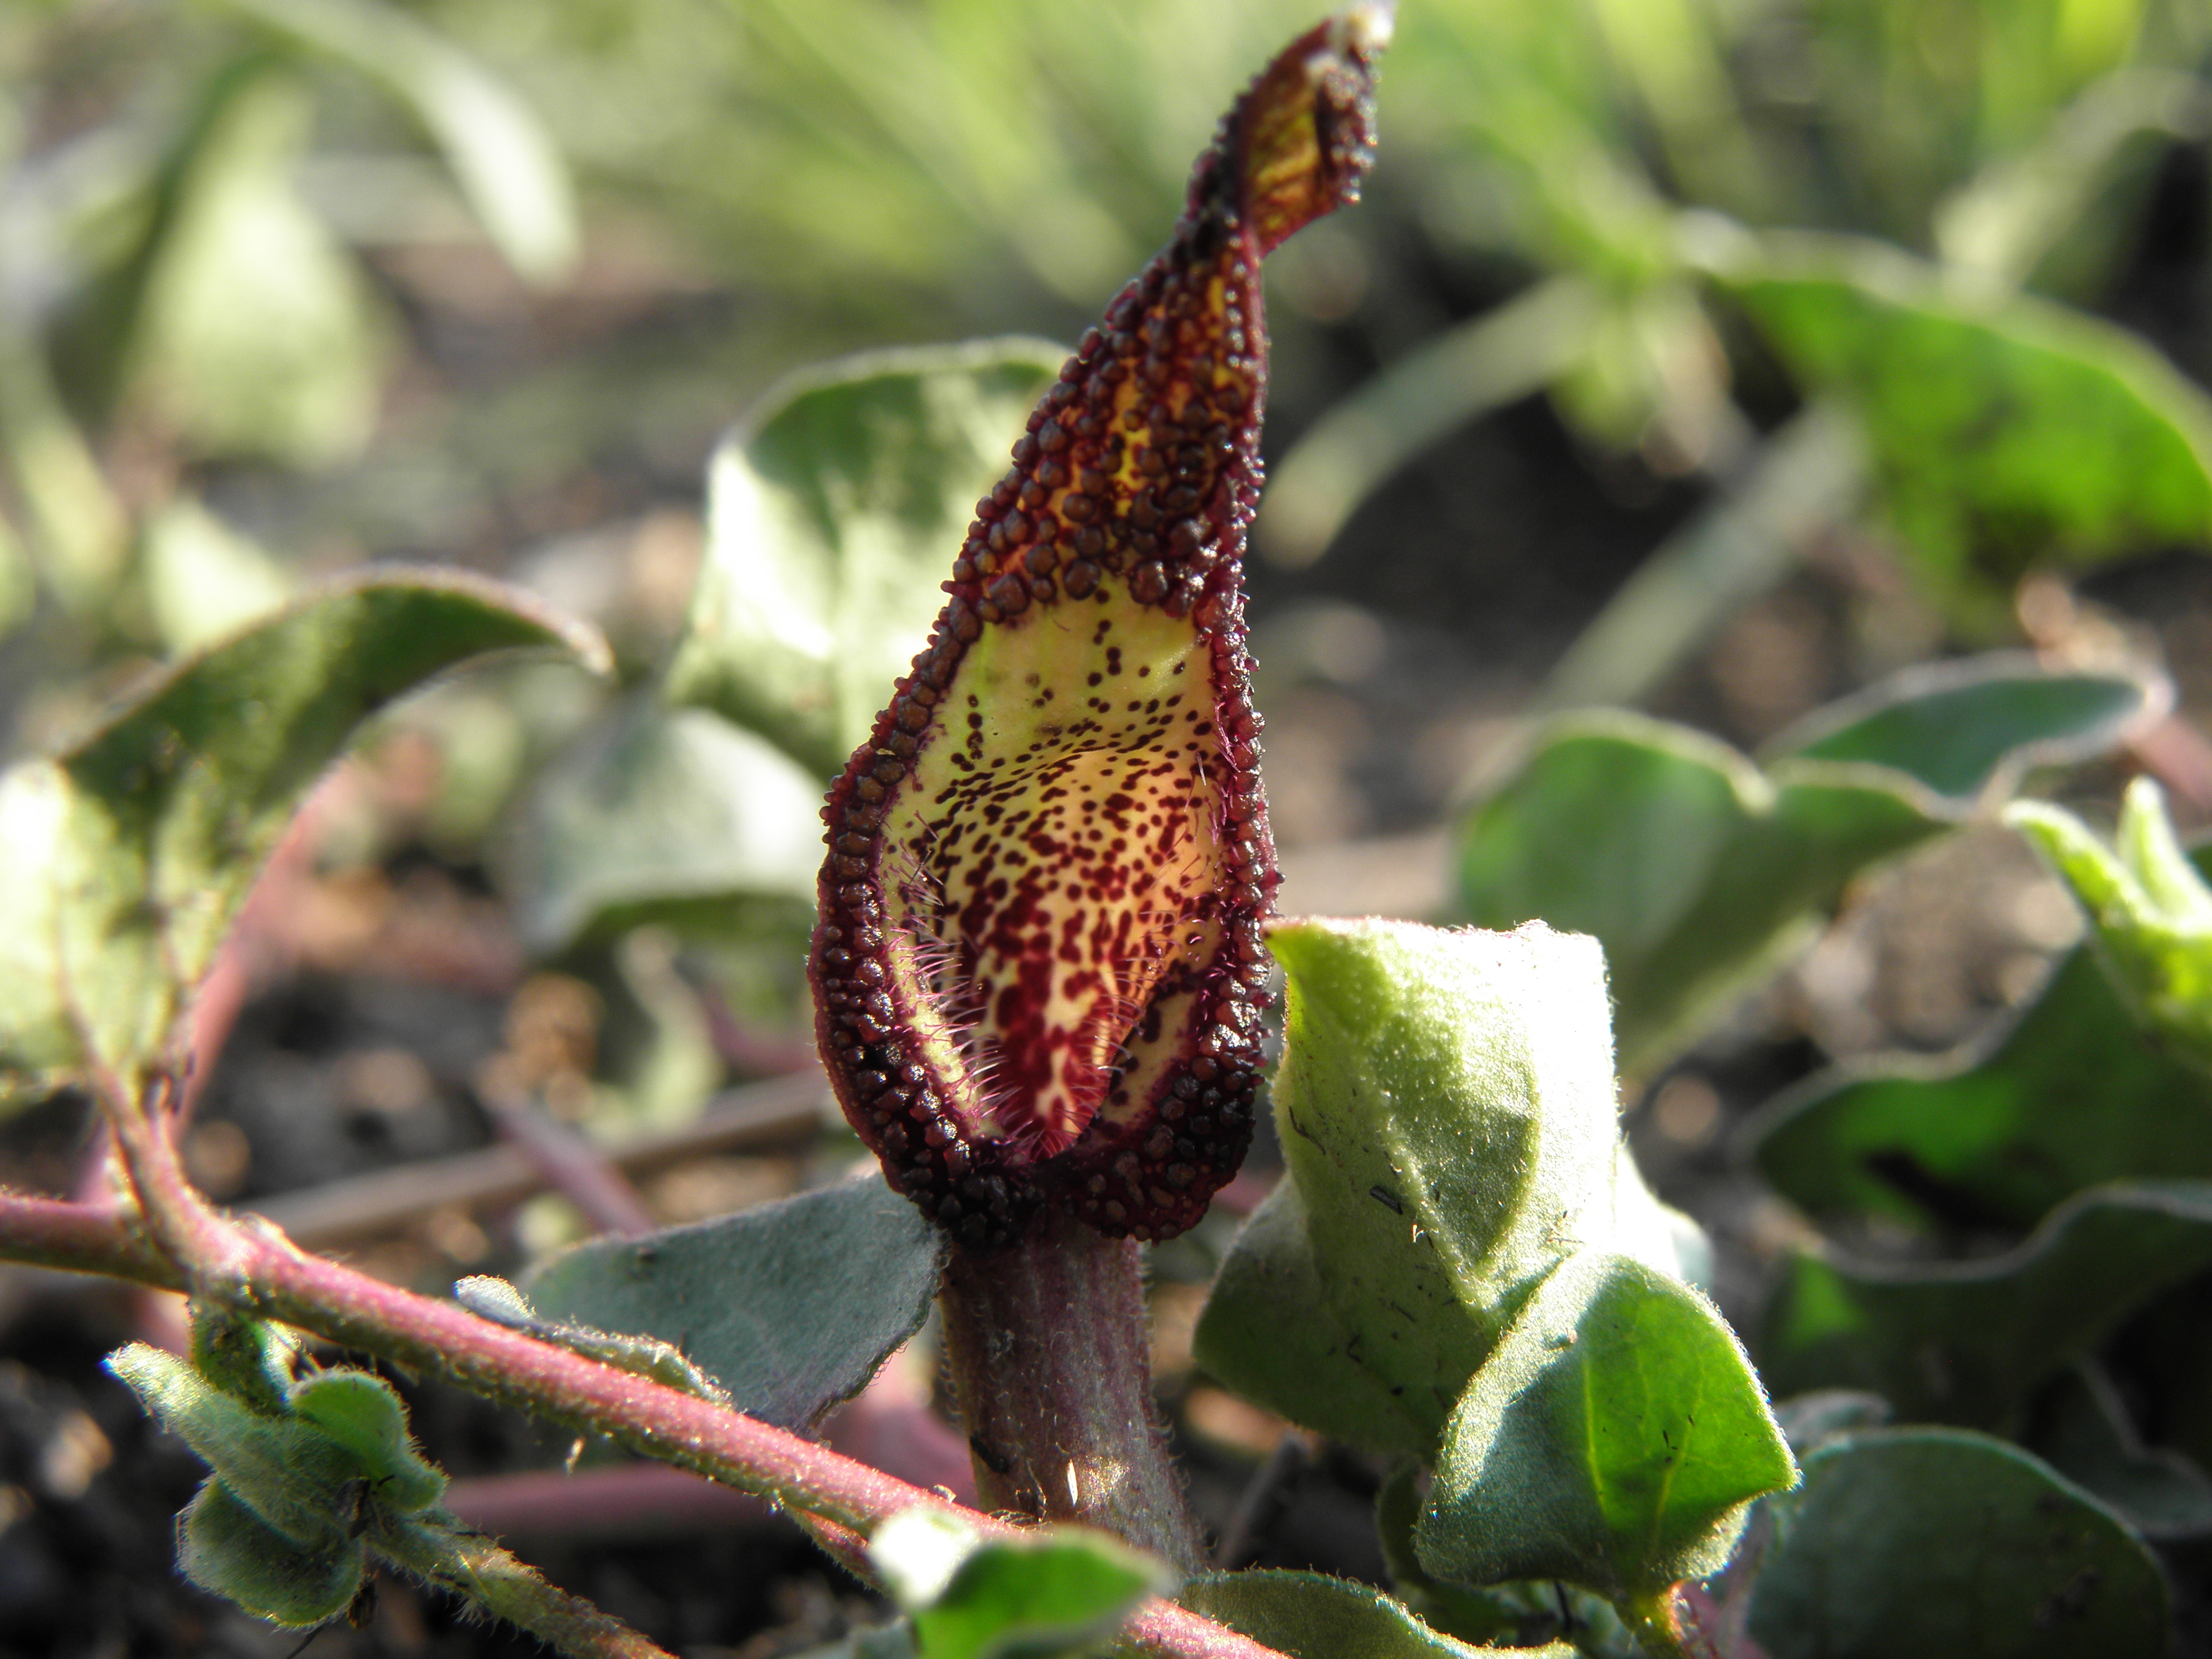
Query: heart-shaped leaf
(1969, 1342)
(130, 853)
(1945, 1544)
(1696, 871)
(1615, 1439)
(1448, 1116)
(2005, 428)
(790, 1307)
(833, 510)
(2068, 1093)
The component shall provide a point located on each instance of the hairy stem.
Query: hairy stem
(271, 1277)
(1050, 1353)
(510, 1590)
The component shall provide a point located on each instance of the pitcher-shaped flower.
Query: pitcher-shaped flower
(1038, 969)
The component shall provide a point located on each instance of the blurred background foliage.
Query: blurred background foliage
(1714, 359)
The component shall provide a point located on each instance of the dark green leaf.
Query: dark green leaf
(1615, 1439)
(660, 810)
(1944, 1543)
(1970, 1341)
(1448, 1116)
(2005, 428)
(1057, 1590)
(2081, 1427)
(1312, 1617)
(1695, 871)
(2069, 1093)
(835, 508)
(1967, 727)
(790, 1307)
(227, 1549)
(130, 853)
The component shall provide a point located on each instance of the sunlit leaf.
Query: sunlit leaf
(2150, 911)
(790, 1307)
(204, 580)
(1448, 1116)
(834, 512)
(130, 852)
(1615, 1438)
(1055, 1590)
(1942, 1544)
(227, 1549)
(2006, 430)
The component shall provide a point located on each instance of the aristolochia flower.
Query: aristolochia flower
(1038, 967)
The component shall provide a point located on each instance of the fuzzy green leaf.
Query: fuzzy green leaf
(130, 853)
(1944, 1543)
(227, 1549)
(832, 510)
(659, 811)
(646, 1356)
(2005, 429)
(1448, 1116)
(1615, 1439)
(1697, 872)
(362, 1414)
(1969, 1342)
(1310, 1616)
(2150, 910)
(790, 1307)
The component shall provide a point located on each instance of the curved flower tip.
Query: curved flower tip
(1038, 968)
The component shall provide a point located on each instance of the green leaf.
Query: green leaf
(1058, 1589)
(1968, 726)
(292, 1477)
(833, 510)
(1969, 1342)
(362, 1414)
(1461, 1611)
(2150, 910)
(2081, 1427)
(1944, 1543)
(506, 159)
(130, 852)
(227, 1549)
(2006, 430)
(1305, 1368)
(1697, 872)
(790, 1307)
(1310, 1616)
(2068, 1093)
(661, 812)
(1448, 1116)
(254, 332)
(1615, 1439)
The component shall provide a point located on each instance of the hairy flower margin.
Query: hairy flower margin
(1038, 967)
